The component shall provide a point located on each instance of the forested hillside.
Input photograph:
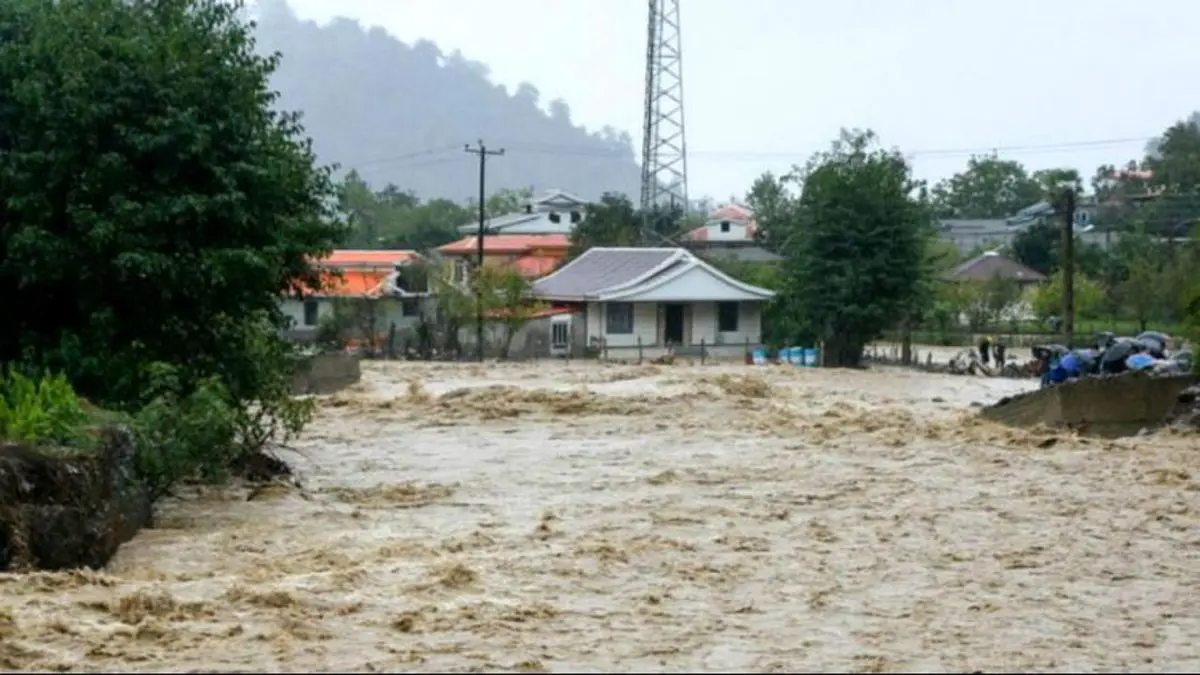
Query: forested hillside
(401, 114)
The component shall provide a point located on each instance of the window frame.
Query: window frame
(613, 320)
(722, 307)
(314, 307)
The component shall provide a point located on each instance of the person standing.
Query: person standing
(985, 347)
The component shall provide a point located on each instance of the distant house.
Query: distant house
(532, 255)
(970, 234)
(990, 265)
(363, 274)
(654, 297)
(728, 234)
(552, 212)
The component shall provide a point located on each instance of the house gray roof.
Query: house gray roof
(991, 264)
(603, 268)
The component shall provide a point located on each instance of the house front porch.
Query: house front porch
(629, 329)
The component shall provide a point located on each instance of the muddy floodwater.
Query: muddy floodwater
(566, 517)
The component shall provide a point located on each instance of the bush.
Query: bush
(42, 411)
(183, 434)
(197, 429)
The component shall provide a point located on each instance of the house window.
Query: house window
(410, 307)
(311, 312)
(725, 226)
(560, 334)
(619, 318)
(727, 317)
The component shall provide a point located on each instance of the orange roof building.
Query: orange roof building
(533, 255)
(362, 273)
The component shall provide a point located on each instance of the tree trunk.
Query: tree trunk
(506, 346)
(906, 342)
(843, 353)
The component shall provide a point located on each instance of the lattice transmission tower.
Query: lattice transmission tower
(664, 151)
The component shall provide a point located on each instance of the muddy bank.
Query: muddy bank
(63, 511)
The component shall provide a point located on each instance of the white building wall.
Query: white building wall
(704, 324)
(646, 325)
(736, 231)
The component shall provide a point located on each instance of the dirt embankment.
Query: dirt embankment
(59, 512)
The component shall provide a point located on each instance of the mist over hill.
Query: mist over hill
(401, 114)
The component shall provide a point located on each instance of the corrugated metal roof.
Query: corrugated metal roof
(602, 268)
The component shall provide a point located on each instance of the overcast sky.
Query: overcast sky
(767, 82)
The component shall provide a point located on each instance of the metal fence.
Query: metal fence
(1026, 334)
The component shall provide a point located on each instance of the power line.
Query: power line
(535, 148)
(750, 155)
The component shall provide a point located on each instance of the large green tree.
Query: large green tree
(614, 221)
(153, 205)
(855, 241)
(989, 187)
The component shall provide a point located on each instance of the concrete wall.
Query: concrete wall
(1102, 406)
(325, 374)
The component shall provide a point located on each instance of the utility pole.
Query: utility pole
(1068, 266)
(483, 152)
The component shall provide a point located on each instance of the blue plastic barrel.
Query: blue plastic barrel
(811, 357)
(760, 356)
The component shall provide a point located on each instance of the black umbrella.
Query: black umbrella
(1113, 358)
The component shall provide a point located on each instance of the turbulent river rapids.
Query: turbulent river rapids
(575, 517)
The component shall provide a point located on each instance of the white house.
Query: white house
(728, 234)
(552, 212)
(653, 298)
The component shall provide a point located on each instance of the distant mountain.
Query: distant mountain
(401, 114)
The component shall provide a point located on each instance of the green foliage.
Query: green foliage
(1047, 299)
(982, 303)
(170, 237)
(614, 221)
(855, 241)
(989, 187)
(155, 240)
(40, 411)
(391, 218)
(184, 431)
(507, 300)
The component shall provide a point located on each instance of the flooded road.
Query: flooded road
(589, 518)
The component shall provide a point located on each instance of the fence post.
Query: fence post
(702, 351)
(604, 349)
(639, 343)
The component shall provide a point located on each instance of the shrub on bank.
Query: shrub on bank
(41, 411)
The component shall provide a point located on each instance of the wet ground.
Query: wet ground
(588, 518)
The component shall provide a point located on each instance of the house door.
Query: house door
(673, 324)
